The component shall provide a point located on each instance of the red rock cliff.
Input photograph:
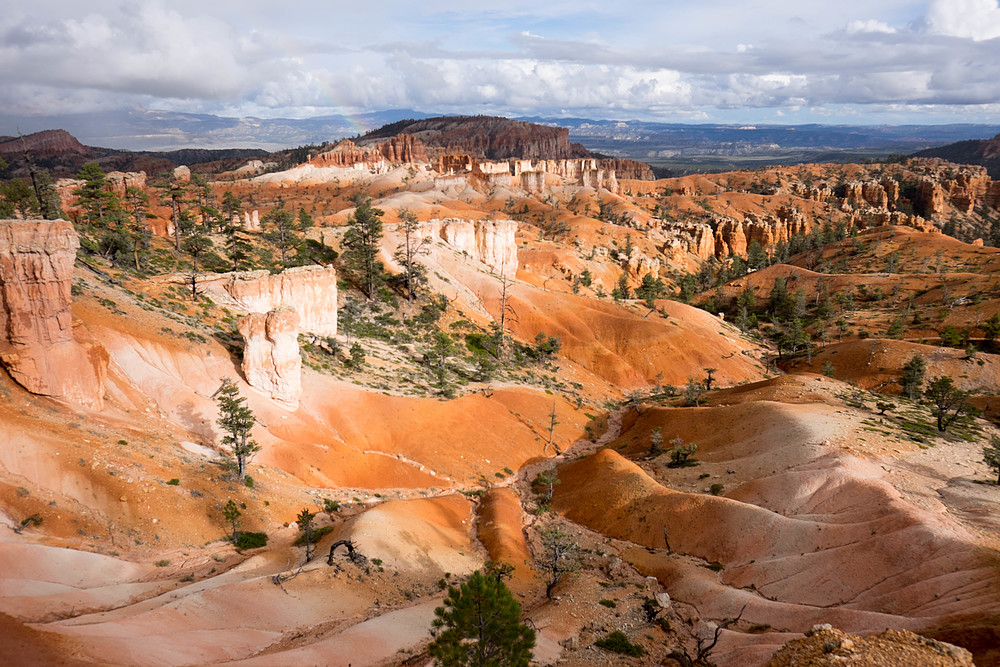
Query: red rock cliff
(37, 343)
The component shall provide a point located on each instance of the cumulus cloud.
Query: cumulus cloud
(449, 56)
(971, 19)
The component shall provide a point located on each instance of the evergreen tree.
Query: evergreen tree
(231, 512)
(913, 376)
(18, 195)
(480, 626)
(237, 421)
(756, 257)
(305, 520)
(305, 221)
(93, 195)
(949, 402)
(231, 207)
(361, 245)
(414, 275)
(991, 455)
(779, 303)
(281, 232)
(991, 329)
(195, 245)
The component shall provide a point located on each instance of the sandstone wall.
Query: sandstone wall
(492, 242)
(37, 343)
(271, 361)
(310, 290)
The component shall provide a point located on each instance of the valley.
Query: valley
(697, 383)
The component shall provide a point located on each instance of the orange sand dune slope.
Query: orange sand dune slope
(343, 435)
(845, 537)
(631, 349)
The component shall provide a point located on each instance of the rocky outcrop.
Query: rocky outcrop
(819, 192)
(733, 237)
(348, 155)
(491, 242)
(271, 361)
(37, 343)
(310, 290)
(696, 239)
(860, 194)
(824, 645)
(377, 159)
(403, 149)
(929, 200)
(182, 174)
(120, 181)
(639, 264)
(626, 168)
(251, 221)
(530, 175)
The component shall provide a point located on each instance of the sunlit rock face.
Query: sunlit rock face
(271, 361)
(37, 342)
(310, 290)
(492, 242)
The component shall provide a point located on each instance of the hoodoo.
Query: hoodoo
(38, 347)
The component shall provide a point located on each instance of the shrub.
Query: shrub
(173, 482)
(251, 540)
(314, 537)
(716, 488)
(162, 563)
(610, 604)
(618, 643)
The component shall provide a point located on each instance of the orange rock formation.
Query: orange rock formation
(39, 349)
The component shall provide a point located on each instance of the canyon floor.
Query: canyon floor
(805, 502)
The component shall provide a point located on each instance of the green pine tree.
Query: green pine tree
(361, 246)
(236, 420)
(480, 626)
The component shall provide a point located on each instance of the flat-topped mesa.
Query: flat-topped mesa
(491, 242)
(271, 361)
(37, 343)
(310, 290)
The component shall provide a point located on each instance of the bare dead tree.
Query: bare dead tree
(33, 519)
(507, 315)
(352, 553)
(704, 648)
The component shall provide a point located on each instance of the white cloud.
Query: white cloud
(971, 19)
(870, 25)
(578, 57)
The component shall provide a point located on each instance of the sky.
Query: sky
(777, 61)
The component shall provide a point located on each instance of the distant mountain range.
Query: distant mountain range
(155, 140)
(985, 152)
(146, 130)
(62, 155)
(168, 130)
